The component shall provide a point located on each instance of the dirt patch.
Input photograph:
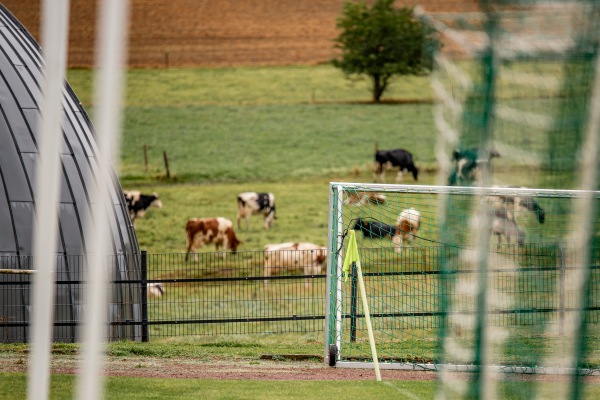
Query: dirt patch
(165, 33)
(153, 367)
(253, 369)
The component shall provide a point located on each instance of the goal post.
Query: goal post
(424, 289)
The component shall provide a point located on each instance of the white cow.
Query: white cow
(309, 257)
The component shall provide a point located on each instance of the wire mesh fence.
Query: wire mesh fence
(124, 307)
(216, 295)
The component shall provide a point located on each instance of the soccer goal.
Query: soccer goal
(498, 277)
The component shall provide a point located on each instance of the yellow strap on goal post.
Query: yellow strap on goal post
(352, 256)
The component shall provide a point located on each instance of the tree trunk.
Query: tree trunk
(379, 85)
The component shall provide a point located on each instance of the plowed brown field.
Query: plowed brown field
(216, 32)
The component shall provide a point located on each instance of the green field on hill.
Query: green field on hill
(289, 130)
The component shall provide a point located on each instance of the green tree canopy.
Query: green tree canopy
(381, 42)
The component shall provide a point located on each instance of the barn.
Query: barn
(21, 67)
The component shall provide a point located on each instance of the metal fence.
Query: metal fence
(214, 295)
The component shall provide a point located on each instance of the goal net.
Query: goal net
(489, 276)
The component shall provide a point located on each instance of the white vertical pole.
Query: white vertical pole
(110, 56)
(55, 26)
(339, 274)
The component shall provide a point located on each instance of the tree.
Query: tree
(381, 42)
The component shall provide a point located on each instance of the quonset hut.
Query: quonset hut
(21, 67)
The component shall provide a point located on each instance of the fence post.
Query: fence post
(144, 268)
(561, 291)
(353, 300)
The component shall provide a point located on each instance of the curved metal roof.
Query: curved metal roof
(21, 69)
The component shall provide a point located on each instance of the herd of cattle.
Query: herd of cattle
(311, 257)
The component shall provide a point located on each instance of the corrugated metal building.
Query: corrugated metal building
(21, 69)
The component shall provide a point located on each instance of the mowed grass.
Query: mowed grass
(13, 386)
(247, 350)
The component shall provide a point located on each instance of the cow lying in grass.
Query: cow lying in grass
(308, 257)
(201, 231)
(363, 198)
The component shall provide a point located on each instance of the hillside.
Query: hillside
(183, 33)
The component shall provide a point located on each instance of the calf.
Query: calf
(388, 159)
(138, 203)
(292, 256)
(200, 231)
(251, 203)
(374, 229)
(407, 225)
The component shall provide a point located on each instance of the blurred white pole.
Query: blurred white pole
(110, 56)
(55, 28)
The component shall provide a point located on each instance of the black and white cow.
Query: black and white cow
(138, 203)
(251, 203)
(466, 166)
(388, 159)
(374, 229)
(514, 203)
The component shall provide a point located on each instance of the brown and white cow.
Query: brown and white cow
(407, 225)
(200, 231)
(250, 203)
(308, 257)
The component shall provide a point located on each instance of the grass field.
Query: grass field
(145, 356)
(289, 130)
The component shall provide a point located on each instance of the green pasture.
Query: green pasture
(13, 386)
(289, 130)
(63, 387)
(248, 351)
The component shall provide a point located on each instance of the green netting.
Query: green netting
(423, 294)
(517, 78)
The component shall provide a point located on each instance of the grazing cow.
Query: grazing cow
(250, 203)
(292, 256)
(517, 203)
(504, 225)
(374, 229)
(388, 159)
(466, 168)
(138, 203)
(155, 289)
(200, 231)
(361, 198)
(407, 225)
